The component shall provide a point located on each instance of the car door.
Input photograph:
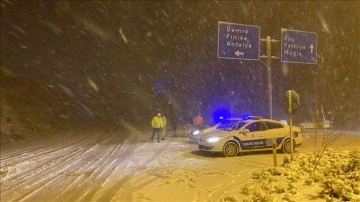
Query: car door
(274, 132)
(254, 139)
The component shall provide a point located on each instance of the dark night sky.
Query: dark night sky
(100, 60)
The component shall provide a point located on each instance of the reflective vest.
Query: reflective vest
(157, 122)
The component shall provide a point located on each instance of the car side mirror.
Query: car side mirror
(244, 131)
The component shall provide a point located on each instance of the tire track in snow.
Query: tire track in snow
(39, 175)
(17, 156)
(57, 180)
(26, 171)
(95, 167)
(81, 173)
(114, 186)
(38, 155)
(120, 163)
(98, 174)
(132, 184)
(93, 181)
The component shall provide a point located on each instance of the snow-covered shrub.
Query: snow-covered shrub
(228, 199)
(336, 188)
(278, 188)
(276, 170)
(267, 187)
(305, 162)
(310, 181)
(293, 191)
(317, 176)
(262, 191)
(288, 197)
(286, 160)
(293, 177)
(292, 186)
(354, 163)
(263, 174)
(261, 195)
(342, 177)
(338, 172)
(353, 175)
(356, 189)
(246, 189)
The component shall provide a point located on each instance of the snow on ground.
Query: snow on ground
(103, 167)
(221, 179)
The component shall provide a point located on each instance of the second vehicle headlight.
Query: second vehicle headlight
(196, 132)
(213, 139)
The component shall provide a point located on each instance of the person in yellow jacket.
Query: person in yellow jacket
(157, 124)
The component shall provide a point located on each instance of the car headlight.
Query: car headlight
(213, 139)
(196, 132)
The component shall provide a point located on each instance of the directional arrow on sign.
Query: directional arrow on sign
(312, 48)
(238, 53)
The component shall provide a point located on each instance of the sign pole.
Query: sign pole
(268, 56)
(291, 134)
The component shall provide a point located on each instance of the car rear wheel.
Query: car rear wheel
(230, 149)
(286, 146)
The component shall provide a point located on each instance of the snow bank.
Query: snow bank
(334, 176)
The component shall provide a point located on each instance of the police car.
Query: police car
(250, 135)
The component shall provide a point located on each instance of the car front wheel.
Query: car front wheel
(230, 149)
(286, 146)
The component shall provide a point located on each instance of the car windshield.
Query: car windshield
(238, 125)
(230, 125)
(225, 124)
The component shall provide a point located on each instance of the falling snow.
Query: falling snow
(104, 66)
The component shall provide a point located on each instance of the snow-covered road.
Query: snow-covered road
(102, 166)
(91, 166)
